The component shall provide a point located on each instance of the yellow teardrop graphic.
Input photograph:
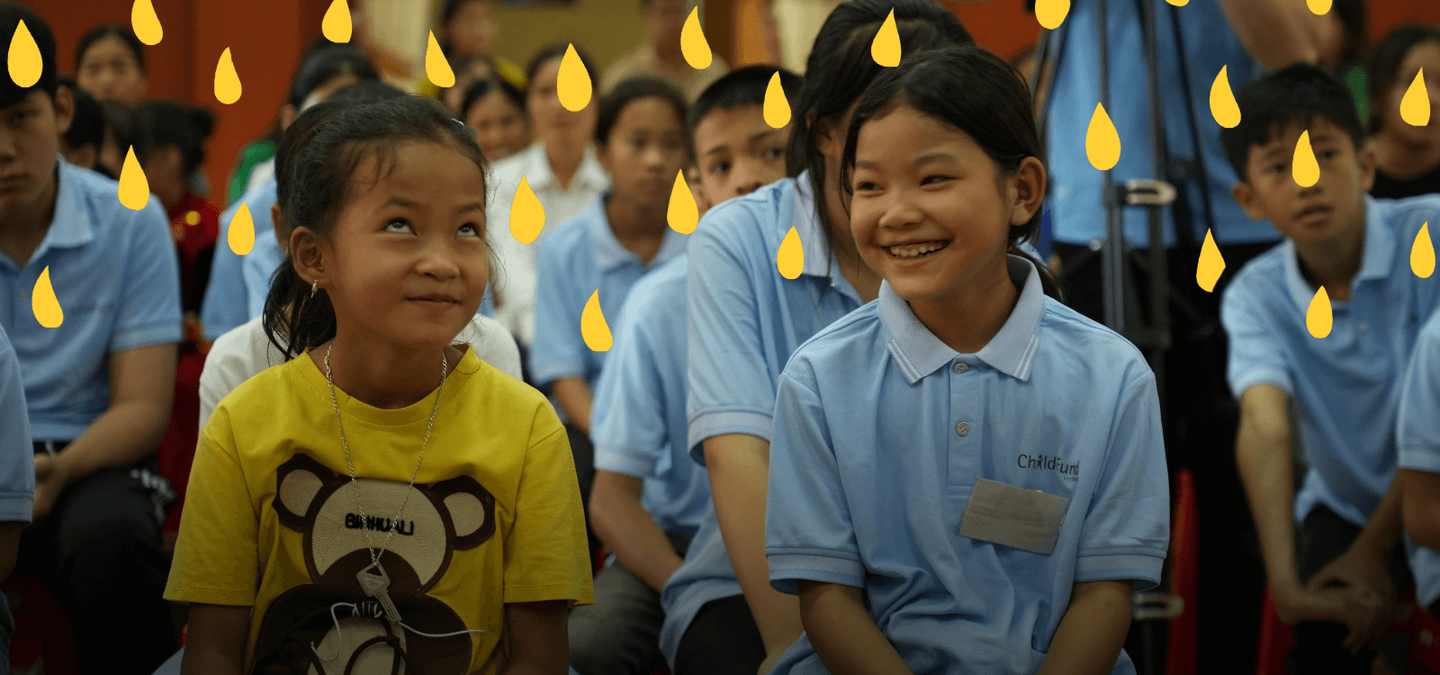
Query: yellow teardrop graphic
(573, 81)
(25, 65)
(1319, 6)
(1422, 254)
(1415, 105)
(1319, 317)
(436, 67)
(1305, 168)
(227, 81)
(44, 303)
(683, 214)
(1051, 13)
(242, 230)
(134, 187)
(791, 257)
(1102, 143)
(145, 23)
(1211, 264)
(885, 48)
(777, 107)
(527, 214)
(693, 44)
(336, 24)
(1222, 101)
(1178, 3)
(593, 327)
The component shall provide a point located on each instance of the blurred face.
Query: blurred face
(1423, 55)
(29, 139)
(931, 212)
(454, 97)
(645, 151)
(109, 71)
(165, 171)
(499, 126)
(289, 113)
(406, 260)
(553, 124)
(663, 21)
(1330, 210)
(471, 29)
(738, 152)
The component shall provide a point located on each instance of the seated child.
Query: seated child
(83, 139)
(1419, 464)
(1330, 549)
(17, 478)
(1407, 157)
(496, 111)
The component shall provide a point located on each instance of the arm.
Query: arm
(539, 639)
(9, 546)
(1093, 631)
(628, 530)
(1421, 496)
(575, 400)
(844, 634)
(1278, 33)
(215, 642)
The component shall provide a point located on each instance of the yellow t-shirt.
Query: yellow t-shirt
(271, 519)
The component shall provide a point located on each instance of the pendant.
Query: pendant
(377, 585)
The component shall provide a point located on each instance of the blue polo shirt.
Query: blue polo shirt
(639, 417)
(1076, 203)
(745, 319)
(1418, 437)
(1347, 385)
(881, 435)
(17, 463)
(576, 260)
(116, 275)
(239, 284)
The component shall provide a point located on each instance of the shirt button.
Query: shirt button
(962, 428)
(961, 367)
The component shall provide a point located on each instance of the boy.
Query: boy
(649, 497)
(17, 479)
(1418, 438)
(99, 386)
(660, 54)
(1330, 549)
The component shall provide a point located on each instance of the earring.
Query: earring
(314, 286)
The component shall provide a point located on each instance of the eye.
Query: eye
(401, 223)
(865, 186)
(774, 153)
(934, 179)
(719, 168)
(1326, 155)
(471, 229)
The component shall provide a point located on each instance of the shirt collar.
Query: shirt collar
(70, 227)
(538, 173)
(807, 225)
(1377, 258)
(610, 253)
(1011, 351)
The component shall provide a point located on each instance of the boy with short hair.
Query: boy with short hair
(98, 386)
(650, 497)
(1331, 549)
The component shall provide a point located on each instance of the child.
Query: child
(17, 479)
(1419, 470)
(660, 55)
(745, 320)
(98, 386)
(467, 29)
(1327, 546)
(387, 263)
(496, 111)
(736, 150)
(83, 139)
(1407, 157)
(110, 64)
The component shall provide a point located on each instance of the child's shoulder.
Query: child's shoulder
(1263, 276)
(751, 219)
(1076, 336)
(840, 344)
(502, 399)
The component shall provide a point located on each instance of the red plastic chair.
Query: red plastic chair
(1183, 652)
(41, 628)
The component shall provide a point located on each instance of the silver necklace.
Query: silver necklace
(376, 584)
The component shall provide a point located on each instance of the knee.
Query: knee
(109, 547)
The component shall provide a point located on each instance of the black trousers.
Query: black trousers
(99, 553)
(722, 640)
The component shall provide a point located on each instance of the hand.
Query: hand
(51, 478)
(1359, 609)
(1365, 569)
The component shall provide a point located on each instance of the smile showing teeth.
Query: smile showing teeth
(916, 250)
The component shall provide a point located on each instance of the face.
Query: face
(738, 152)
(1329, 210)
(471, 29)
(454, 97)
(552, 123)
(664, 20)
(645, 151)
(289, 113)
(165, 172)
(1423, 55)
(931, 211)
(406, 259)
(109, 71)
(29, 139)
(499, 126)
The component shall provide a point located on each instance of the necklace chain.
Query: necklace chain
(355, 483)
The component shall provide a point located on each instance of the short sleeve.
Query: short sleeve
(149, 312)
(225, 304)
(493, 344)
(17, 464)
(732, 390)
(1257, 352)
(628, 421)
(258, 267)
(808, 531)
(547, 556)
(216, 557)
(1127, 528)
(225, 369)
(558, 350)
(515, 281)
(1417, 433)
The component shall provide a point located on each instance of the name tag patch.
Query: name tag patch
(1011, 516)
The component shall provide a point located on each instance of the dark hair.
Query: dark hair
(162, 123)
(1355, 25)
(105, 30)
(313, 168)
(745, 86)
(123, 121)
(11, 15)
(557, 51)
(360, 93)
(1389, 56)
(996, 111)
(452, 7)
(323, 62)
(487, 86)
(840, 67)
(87, 125)
(1295, 95)
(632, 90)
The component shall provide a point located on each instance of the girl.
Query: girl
(464, 562)
(496, 111)
(1407, 157)
(745, 319)
(110, 64)
(467, 31)
(925, 526)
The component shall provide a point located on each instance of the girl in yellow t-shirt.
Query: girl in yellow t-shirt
(354, 510)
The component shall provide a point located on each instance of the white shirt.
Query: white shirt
(245, 351)
(515, 306)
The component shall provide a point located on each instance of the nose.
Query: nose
(437, 262)
(8, 150)
(746, 177)
(899, 213)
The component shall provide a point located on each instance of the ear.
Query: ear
(308, 257)
(287, 116)
(826, 140)
(602, 155)
(297, 482)
(1028, 187)
(64, 109)
(1367, 168)
(280, 228)
(1245, 196)
(468, 508)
